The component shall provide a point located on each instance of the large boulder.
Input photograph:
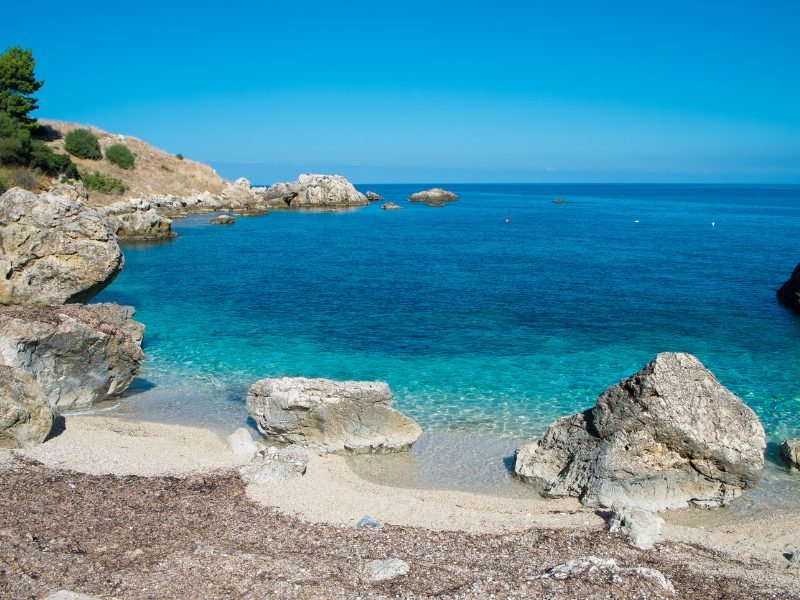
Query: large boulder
(330, 416)
(313, 191)
(25, 416)
(78, 355)
(789, 292)
(664, 437)
(53, 250)
(137, 220)
(433, 196)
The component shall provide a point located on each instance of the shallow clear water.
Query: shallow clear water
(482, 327)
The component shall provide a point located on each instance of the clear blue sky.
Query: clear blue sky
(434, 91)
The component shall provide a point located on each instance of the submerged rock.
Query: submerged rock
(53, 250)
(25, 416)
(662, 438)
(223, 220)
(790, 452)
(391, 206)
(78, 355)
(385, 570)
(137, 220)
(314, 191)
(330, 416)
(642, 527)
(373, 197)
(273, 465)
(433, 196)
(789, 292)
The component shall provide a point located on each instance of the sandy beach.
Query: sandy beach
(145, 510)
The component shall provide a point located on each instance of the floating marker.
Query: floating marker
(636, 221)
(508, 220)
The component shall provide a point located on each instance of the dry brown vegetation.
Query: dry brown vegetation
(155, 172)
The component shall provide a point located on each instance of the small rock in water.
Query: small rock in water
(241, 442)
(273, 465)
(223, 220)
(368, 522)
(642, 527)
(384, 570)
(391, 206)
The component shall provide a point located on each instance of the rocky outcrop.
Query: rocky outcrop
(313, 191)
(243, 183)
(433, 196)
(53, 250)
(78, 355)
(789, 292)
(664, 437)
(223, 220)
(790, 452)
(330, 416)
(137, 220)
(373, 197)
(25, 416)
(391, 206)
(273, 465)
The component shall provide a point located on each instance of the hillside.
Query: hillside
(155, 172)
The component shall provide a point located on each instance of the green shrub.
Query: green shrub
(118, 154)
(50, 163)
(179, 156)
(83, 144)
(15, 141)
(105, 184)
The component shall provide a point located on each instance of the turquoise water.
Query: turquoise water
(480, 326)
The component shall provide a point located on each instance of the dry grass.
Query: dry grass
(155, 172)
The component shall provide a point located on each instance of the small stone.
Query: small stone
(368, 522)
(67, 595)
(794, 557)
(385, 570)
(642, 527)
(273, 465)
(241, 442)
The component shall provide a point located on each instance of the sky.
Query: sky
(384, 92)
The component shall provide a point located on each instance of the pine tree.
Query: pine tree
(18, 84)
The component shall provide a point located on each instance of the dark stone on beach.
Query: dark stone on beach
(789, 292)
(665, 437)
(223, 220)
(790, 452)
(368, 522)
(433, 195)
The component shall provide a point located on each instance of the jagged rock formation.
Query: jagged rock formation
(330, 416)
(137, 220)
(78, 355)
(666, 436)
(373, 197)
(433, 196)
(313, 191)
(789, 292)
(25, 416)
(53, 250)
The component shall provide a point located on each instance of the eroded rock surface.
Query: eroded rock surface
(642, 527)
(25, 416)
(374, 197)
(273, 465)
(53, 250)
(433, 196)
(391, 206)
(662, 438)
(313, 191)
(137, 220)
(78, 355)
(330, 416)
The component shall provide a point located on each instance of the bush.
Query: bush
(23, 177)
(83, 144)
(50, 163)
(179, 156)
(105, 184)
(118, 154)
(15, 142)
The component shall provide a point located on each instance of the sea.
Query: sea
(489, 317)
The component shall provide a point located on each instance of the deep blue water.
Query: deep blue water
(479, 326)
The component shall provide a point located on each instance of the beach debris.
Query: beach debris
(25, 416)
(368, 522)
(273, 465)
(391, 206)
(790, 452)
(55, 250)
(642, 527)
(385, 570)
(330, 416)
(668, 435)
(435, 196)
(373, 197)
(67, 595)
(223, 220)
(591, 565)
(241, 442)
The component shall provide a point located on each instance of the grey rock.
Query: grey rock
(53, 250)
(330, 416)
(790, 452)
(25, 416)
(391, 206)
(273, 465)
(367, 522)
(313, 191)
(243, 183)
(789, 292)
(433, 196)
(223, 220)
(385, 570)
(137, 220)
(584, 565)
(662, 438)
(75, 190)
(794, 557)
(241, 442)
(78, 355)
(642, 527)
(373, 197)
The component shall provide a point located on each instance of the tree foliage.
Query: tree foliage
(118, 154)
(15, 142)
(105, 184)
(18, 84)
(83, 144)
